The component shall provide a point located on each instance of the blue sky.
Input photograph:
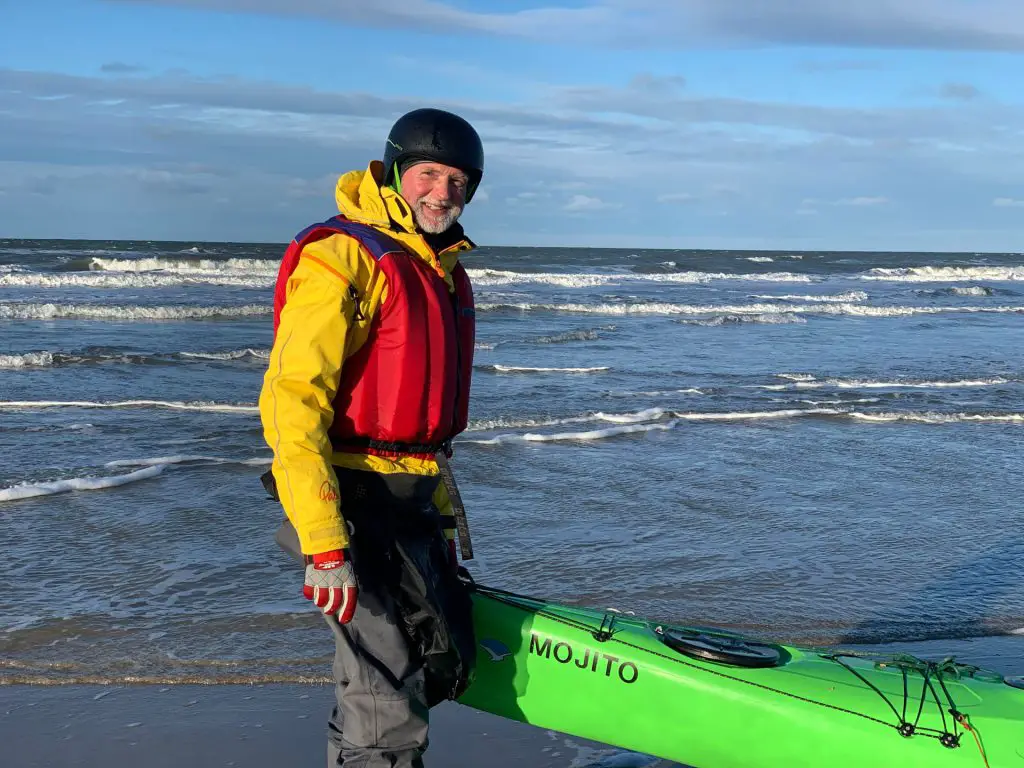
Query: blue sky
(802, 124)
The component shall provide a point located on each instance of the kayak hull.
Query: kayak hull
(625, 682)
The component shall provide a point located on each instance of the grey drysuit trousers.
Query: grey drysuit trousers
(381, 715)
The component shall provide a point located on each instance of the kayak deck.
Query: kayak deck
(705, 697)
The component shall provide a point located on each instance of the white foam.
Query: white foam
(29, 490)
(640, 422)
(485, 425)
(527, 369)
(595, 434)
(664, 308)
(111, 312)
(27, 360)
(760, 259)
(930, 274)
(647, 414)
(236, 354)
(768, 318)
(186, 459)
(941, 418)
(49, 359)
(795, 376)
(561, 338)
(970, 290)
(186, 266)
(176, 405)
(113, 280)
(495, 277)
(848, 296)
(651, 420)
(788, 413)
(869, 384)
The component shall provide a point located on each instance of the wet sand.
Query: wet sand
(252, 726)
(260, 726)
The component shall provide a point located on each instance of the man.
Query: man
(368, 380)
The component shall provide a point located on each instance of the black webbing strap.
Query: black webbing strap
(461, 524)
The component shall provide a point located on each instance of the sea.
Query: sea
(818, 447)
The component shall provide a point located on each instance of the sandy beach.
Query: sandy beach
(256, 726)
(260, 726)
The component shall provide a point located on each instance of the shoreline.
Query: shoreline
(267, 724)
(256, 726)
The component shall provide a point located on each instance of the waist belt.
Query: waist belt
(385, 446)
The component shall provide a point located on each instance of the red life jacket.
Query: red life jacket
(405, 392)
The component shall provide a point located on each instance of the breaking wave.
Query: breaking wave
(660, 419)
(186, 459)
(96, 356)
(174, 405)
(768, 318)
(150, 469)
(810, 382)
(958, 290)
(131, 280)
(236, 354)
(944, 274)
(11, 311)
(186, 265)
(592, 334)
(848, 296)
(941, 418)
(665, 308)
(31, 490)
(495, 277)
(27, 360)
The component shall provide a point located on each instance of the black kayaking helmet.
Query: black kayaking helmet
(436, 136)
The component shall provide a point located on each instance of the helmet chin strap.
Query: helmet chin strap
(396, 180)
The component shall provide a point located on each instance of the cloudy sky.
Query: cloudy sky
(877, 124)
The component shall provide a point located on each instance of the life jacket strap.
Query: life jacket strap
(388, 447)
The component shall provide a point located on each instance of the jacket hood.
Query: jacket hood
(361, 198)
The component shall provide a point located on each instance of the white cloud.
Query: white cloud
(525, 198)
(162, 149)
(587, 203)
(1008, 202)
(935, 24)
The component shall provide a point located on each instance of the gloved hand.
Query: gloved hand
(331, 584)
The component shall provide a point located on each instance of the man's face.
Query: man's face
(436, 193)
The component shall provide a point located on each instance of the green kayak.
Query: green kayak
(713, 699)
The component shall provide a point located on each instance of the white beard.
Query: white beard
(433, 221)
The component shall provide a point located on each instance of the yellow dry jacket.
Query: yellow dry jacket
(333, 296)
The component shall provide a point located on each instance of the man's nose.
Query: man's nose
(442, 189)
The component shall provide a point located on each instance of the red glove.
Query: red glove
(331, 585)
